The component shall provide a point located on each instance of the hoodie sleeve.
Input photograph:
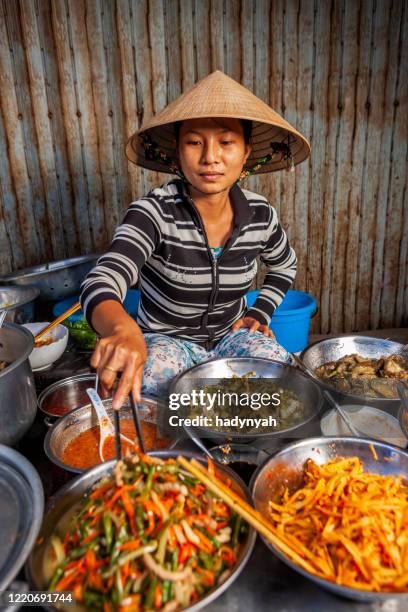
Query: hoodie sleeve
(280, 261)
(133, 243)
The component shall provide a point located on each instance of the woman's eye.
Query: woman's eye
(193, 142)
(226, 142)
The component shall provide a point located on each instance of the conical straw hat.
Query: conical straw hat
(217, 95)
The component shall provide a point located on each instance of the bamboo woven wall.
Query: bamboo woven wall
(78, 76)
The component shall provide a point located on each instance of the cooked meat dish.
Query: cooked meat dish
(365, 376)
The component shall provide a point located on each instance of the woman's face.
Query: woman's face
(212, 153)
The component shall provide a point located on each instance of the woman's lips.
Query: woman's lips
(211, 176)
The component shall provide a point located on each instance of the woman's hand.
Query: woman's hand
(253, 325)
(121, 351)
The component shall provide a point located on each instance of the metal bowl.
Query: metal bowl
(285, 469)
(332, 349)
(287, 376)
(62, 505)
(72, 424)
(22, 506)
(55, 280)
(70, 393)
(403, 418)
(19, 303)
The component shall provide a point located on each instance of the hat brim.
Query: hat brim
(263, 134)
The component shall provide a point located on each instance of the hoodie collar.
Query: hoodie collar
(238, 200)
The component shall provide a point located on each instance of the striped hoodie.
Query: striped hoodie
(185, 290)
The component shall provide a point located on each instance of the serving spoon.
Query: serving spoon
(343, 415)
(107, 430)
(3, 314)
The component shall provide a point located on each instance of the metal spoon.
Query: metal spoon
(3, 314)
(303, 366)
(107, 429)
(199, 443)
(344, 415)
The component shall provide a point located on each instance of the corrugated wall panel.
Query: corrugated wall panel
(77, 77)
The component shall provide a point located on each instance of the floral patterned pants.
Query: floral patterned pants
(168, 356)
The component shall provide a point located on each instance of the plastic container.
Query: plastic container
(291, 320)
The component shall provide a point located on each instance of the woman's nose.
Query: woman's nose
(210, 152)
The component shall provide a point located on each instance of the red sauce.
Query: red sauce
(83, 451)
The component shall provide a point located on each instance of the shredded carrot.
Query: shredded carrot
(351, 525)
(373, 451)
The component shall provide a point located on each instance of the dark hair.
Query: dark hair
(246, 125)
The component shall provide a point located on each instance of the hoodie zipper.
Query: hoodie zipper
(214, 267)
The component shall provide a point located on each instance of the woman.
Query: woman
(192, 244)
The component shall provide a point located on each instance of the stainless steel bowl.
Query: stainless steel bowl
(306, 390)
(403, 418)
(19, 303)
(68, 393)
(55, 280)
(63, 504)
(285, 469)
(72, 424)
(332, 349)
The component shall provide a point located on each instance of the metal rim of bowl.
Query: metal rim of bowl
(332, 388)
(35, 293)
(403, 411)
(344, 591)
(25, 355)
(59, 384)
(30, 474)
(53, 266)
(105, 468)
(209, 433)
(59, 423)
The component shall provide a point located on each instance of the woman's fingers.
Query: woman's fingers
(266, 331)
(254, 324)
(238, 324)
(126, 383)
(107, 368)
(137, 384)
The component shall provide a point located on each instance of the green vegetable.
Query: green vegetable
(150, 593)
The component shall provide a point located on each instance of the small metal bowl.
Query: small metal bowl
(81, 419)
(69, 392)
(332, 349)
(290, 378)
(62, 506)
(285, 469)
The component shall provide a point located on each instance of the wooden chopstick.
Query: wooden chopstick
(247, 512)
(58, 320)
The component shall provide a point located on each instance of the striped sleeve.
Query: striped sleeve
(133, 243)
(280, 261)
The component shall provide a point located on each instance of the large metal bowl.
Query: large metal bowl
(72, 424)
(18, 399)
(19, 303)
(62, 505)
(288, 377)
(55, 280)
(332, 349)
(285, 469)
